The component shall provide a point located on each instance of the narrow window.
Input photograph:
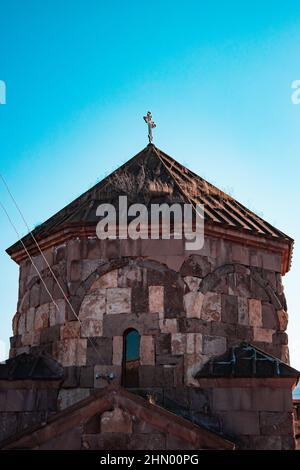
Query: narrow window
(131, 358)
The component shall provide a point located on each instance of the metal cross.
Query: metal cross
(151, 125)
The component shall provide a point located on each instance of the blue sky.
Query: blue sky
(217, 77)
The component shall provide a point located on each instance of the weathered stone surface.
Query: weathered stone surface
(87, 377)
(147, 350)
(255, 312)
(107, 280)
(21, 324)
(192, 283)
(116, 421)
(163, 344)
(49, 335)
(139, 300)
(194, 343)
(71, 377)
(88, 267)
(282, 319)
(30, 319)
(70, 352)
(116, 324)
(58, 316)
(243, 316)
(118, 300)
(192, 364)
(130, 276)
(41, 319)
(178, 343)
(269, 319)
(226, 399)
(193, 302)
(91, 327)
(263, 334)
(240, 422)
(276, 424)
(99, 351)
(211, 308)
(156, 299)
(214, 345)
(196, 265)
(101, 373)
(230, 309)
(70, 330)
(169, 325)
(117, 350)
(67, 397)
(34, 296)
(93, 305)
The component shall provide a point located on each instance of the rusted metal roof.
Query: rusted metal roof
(152, 175)
(245, 361)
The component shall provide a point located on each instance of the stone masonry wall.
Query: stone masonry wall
(186, 306)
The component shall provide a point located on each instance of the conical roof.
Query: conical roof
(153, 176)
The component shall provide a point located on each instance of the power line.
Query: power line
(44, 258)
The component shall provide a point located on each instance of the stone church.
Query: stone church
(142, 344)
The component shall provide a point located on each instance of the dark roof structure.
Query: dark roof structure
(246, 361)
(154, 176)
(31, 367)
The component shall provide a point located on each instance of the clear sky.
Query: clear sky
(217, 76)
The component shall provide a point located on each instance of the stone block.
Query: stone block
(243, 315)
(22, 324)
(240, 422)
(163, 344)
(192, 364)
(282, 319)
(91, 327)
(214, 345)
(230, 309)
(240, 254)
(255, 312)
(70, 352)
(70, 330)
(41, 319)
(147, 350)
(116, 324)
(71, 377)
(58, 316)
(93, 305)
(99, 351)
(168, 325)
(117, 350)
(139, 300)
(102, 371)
(30, 314)
(225, 399)
(194, 343)
(156, 299)
(211, 308)
(192, 282)
(264, 442)
(108, 280)
(193, 302)
(264, 335)
(269, 319)
(34, 296)
(86, 377)
(70, 396)
(131, 276)
(49, 335)
(147, 442)
(178, 343)
(196, 266)
(73, 249)
(74, 271)
(269, 399)
(118, 300)
(276, 423)
(116, 420)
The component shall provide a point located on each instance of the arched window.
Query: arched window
(131, 358)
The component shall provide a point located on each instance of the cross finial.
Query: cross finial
(151, 125)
